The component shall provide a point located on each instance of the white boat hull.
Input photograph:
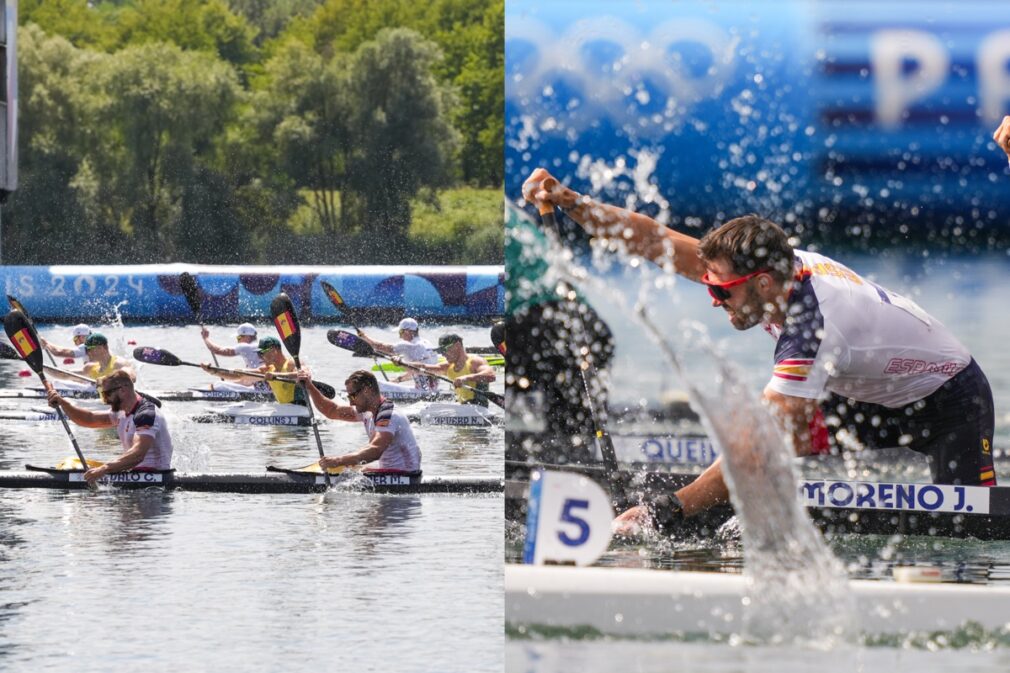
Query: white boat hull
(642, 603)
(460, 415)
(257, 413)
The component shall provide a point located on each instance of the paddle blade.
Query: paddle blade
(315, 469)
(191, 291)
(25, 339)
(349, 342)
(333, 295)
(286, 322)
(155, 356)
(17, 306)
(328, 391)
(75, 464)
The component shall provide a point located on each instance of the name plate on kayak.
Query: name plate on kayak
(152, 478)
(378, 479)
(269, 420)
(900, 497)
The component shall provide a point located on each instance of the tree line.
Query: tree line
(260, 131)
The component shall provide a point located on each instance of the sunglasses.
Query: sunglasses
(720, 291)
(351, 395)
(103, 393)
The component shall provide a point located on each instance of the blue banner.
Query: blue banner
(701, 110)
(148, 293)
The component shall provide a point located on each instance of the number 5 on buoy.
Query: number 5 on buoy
(568, 519)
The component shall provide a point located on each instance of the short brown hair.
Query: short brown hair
(363, 379)
(750, 243)
(120, 377)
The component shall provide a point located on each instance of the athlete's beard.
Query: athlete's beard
(750, 312)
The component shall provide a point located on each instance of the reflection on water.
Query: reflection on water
(250, 583)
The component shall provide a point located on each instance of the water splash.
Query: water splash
(797, 590)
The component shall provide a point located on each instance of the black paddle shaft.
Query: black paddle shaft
(157, 356)
(587, 370)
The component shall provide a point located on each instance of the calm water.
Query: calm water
(198, 581)
(968, 295)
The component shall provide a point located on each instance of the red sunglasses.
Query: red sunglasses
(720, 291)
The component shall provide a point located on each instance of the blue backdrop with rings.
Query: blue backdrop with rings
(796, 109)
(152, 293)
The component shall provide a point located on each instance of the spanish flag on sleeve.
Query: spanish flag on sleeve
(23, 342)
(285, 323)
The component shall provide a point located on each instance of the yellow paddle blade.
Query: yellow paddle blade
(75, 464)
(315, 469)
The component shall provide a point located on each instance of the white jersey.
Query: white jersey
(403, 452)
(250, 353)
(146, 419)
(418, 350)
(80, 352)
(849, 336)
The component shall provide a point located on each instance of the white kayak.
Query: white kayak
(256, 413)
(634, 602)
(450, 413)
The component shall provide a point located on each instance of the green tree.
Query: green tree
(198, 25)
(402, 136)
(270, 17)
(45, 220)
(302, 114)
(481, 115)
(163, 109)
(80, 23)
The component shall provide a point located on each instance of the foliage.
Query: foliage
(204, 129)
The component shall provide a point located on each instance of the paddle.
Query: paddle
(25, 339)
(8, 353)
(587, 370)
(343, 339)
(191, 291)
(157, 356)
(18, 306)
(338, 303)
(286, 322)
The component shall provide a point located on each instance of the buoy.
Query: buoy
(131, 342)
(24, 372)
(68, 361)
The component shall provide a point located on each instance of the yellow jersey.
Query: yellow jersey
(465, 395)
(97, 371)
(286, 392)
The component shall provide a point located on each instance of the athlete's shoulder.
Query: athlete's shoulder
(146, 414)
(384, 414)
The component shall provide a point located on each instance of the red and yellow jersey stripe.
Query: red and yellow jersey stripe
(793, 369)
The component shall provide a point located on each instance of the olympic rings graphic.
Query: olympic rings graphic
(602, 67)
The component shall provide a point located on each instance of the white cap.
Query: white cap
(246, 329)
(81, 330)
(409, 324)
